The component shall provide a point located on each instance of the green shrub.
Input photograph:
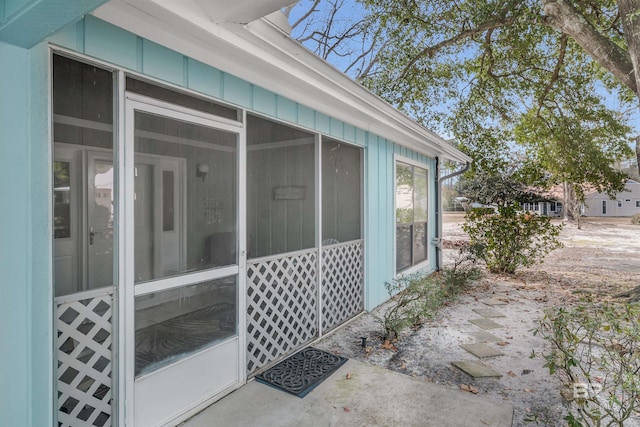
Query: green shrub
(635, 219)
(508, 239)
(595, 351)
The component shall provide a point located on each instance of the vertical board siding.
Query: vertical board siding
(15, 309)
(286, 109)
(264, 101)
(204, 79)
(109, 43)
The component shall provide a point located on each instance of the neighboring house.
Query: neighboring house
(625, 203)
(549, 208)
(188, 196)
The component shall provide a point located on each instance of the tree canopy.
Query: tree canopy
(524, 78)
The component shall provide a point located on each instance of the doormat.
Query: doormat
(302, 372)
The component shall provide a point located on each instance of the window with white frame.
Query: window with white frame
(637, 203)
(411, 215)
(619, 203)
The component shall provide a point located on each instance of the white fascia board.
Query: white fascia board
(263, 55)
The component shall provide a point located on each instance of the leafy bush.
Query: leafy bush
(508, 239)
(596, 353)
(635, 219)
(417, 297)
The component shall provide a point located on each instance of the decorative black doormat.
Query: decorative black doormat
(302, 372)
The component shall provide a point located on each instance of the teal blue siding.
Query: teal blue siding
(349, 133)
(323, 123)
(264, 101)
(336, 128)
(306, 117)
(204, 79)
(109, 43)
(236, 91)
(287, 110)
(162, 63)
(26, 303)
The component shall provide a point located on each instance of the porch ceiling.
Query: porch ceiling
(263, 54)
(238, 11)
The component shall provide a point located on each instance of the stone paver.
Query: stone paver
(481, 350)
(485, 323)
(476, 370)
(488, 312)
(483, 336)
(495, 301)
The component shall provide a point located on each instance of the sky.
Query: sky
(352, 10)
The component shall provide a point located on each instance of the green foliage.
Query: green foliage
(417, 297)
(635, 219)
(504, 81)
(595, 351)
(509, 238)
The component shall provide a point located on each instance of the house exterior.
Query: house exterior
(189, 197)
(548, 208)
(625, 204)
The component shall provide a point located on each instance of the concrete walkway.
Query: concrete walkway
(373, 396)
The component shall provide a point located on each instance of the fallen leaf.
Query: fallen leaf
(469, 388)
(502, 343)
(484, 422)
(527, 371)
(509, 338)
(512, 374)
(529, 390)
(348, 375)
(388, 346)
(346, 409)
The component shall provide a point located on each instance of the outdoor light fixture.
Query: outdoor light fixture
(203, 170)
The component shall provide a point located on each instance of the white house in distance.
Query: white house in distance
(189, 196)
(625, 204)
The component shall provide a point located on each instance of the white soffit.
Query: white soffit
(262, 54)
(238, 11)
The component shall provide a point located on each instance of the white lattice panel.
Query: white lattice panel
(342, 283)
(84, 361)
(281, 306)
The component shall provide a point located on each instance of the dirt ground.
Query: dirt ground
(602, 259)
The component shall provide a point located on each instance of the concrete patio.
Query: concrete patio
(373, 396)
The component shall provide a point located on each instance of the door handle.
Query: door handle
(92, 235)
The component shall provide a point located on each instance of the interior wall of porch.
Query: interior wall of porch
(26, 378)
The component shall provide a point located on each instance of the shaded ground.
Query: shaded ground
(602, 259)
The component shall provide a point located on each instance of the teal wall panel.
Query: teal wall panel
(236, 91)
(162, 63)
(205, 79)
(26, 303)
(306, 117)
(109, 43)
(287, 110)
(264, 101)
(361, 137)
(15, 404)
(349, 133)
(323, 123)
(336, 128)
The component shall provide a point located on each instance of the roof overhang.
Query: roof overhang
(262, 53)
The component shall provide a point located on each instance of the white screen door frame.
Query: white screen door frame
(235, 347)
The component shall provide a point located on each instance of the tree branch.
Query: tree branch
(556, 71)
(563, 16)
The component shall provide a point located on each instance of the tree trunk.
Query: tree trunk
(563, 16)
(638, 154)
